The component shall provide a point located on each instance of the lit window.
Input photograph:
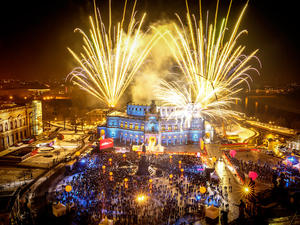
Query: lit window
(121, 124)
(169, 127)
(163, 128)
(136, 126)
(126, 125)
(142, 127)
(130, 126)
(176, 127)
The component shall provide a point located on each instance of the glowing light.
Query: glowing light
(109, 60)
(232, 153)
(246, 190)
(141, 198)
(171, 176)
(68, 188)
(214, 69)
(202, 190)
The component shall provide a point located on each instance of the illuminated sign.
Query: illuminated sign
(106, 143)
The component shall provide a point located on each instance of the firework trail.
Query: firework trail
(214, 68)
(109, 60)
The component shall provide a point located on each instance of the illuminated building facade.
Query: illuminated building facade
(37, 117)
(19, 122)
(149, 124)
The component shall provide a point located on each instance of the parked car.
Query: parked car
(28, 140)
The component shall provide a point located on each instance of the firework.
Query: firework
(109, 60)
(179, 94)
(214, 69)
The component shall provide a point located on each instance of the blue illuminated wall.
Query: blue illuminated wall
(138, 124)
(137, 110)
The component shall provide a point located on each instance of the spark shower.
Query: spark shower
(213, 67)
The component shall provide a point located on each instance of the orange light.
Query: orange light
(141, 198)
(202, 190)
(150, 180)
(182, 170)
(110, 173)
(110, 159)
(171, 176)
(68, 188)
(179, 161)
(103, 167)
(126, 179)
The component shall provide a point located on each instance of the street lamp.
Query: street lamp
(141, 198)
(246, 190)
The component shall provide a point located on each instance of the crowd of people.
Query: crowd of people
(105, 187)
(279, 174)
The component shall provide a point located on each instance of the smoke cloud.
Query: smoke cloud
(158, 65)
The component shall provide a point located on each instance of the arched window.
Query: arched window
(20, 122)
(16, 123)
(1, 127)
(11, 125)
(6, 127)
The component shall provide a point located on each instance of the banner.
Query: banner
(106, 143)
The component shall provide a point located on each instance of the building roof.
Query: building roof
(97, 111)
(117, 113)
(5, 105)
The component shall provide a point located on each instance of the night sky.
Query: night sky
(34, 34)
